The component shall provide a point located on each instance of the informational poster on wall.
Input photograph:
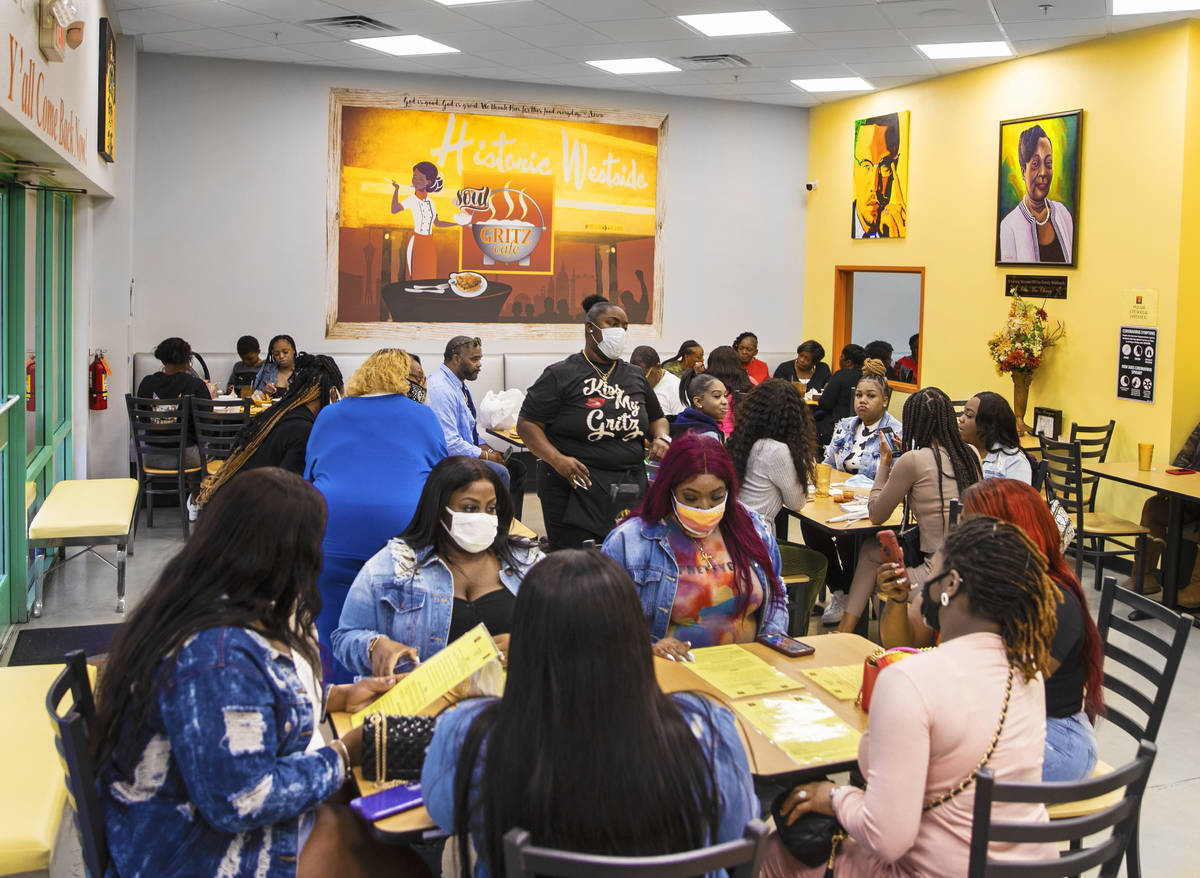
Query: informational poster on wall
(463, 213)
(1137, 354)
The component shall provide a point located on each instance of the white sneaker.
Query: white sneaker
(193, 511)
(837, 606)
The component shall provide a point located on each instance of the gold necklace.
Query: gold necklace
(711, 564)
(596, 369)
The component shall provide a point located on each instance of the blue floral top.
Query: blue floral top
(224, 776)
(848, 444)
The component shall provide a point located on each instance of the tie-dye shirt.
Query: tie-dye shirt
(705, 608)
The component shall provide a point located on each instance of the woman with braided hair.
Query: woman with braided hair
(935, 467)
(1074, 688)
(279, 435)
(938, 717)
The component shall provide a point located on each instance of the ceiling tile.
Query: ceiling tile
(1121, 23)
(644, 30)
(1052, 29)
(915, 67)
(275, 54)
(168, 44)
(151, 21)
(1029, 10)
(556, 36)
(212, 13)
(689, 7)
(1033, 47)
(858, 39)
(521, 57)
(211, 38)
(833, 18)
(427, 19)
(487, 40)
(609, 10)
(527, 13)
(145, 4)
(290, 10)
(278, 33)
(954, 34)
(938, 13)
(960, 64)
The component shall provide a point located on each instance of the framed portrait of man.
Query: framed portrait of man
(1037, 203)
(880, 205)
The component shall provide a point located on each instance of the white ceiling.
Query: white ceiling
(548, 41)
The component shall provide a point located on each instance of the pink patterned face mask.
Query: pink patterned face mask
(700, 522)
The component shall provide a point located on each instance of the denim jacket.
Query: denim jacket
(712, 724)
(224, 776)
(644, 550)
(842, 444)
(407, 595)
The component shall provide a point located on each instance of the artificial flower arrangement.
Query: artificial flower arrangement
(1019, 347)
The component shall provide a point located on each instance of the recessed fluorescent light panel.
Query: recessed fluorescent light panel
(635, 65)
(467, 2)
(837, 83)
(1138, 7)
(405, 44)
(734, 24)
(945, 51)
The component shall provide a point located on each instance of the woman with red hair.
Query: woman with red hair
(706, 568)
(1074, 696)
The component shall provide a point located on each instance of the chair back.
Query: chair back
(1118, 821)
(71, 740)
(742, 859)
(1040, 469)
(955, 512)
(958, 405)
(217, 425)
(158, 425)
(1093, 445)
(1142, 686)
(1063, 478)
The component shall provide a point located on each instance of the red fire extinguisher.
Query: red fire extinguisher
(98, 374)
(31, 384)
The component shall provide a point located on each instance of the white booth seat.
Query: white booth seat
(491, 376)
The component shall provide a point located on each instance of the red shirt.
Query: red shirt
(758, 371)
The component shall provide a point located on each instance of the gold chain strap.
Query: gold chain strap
(380, 749)
(970, 778)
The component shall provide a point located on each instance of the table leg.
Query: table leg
(121, 552)
(1170, 559)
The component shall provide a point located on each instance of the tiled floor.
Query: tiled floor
(83, 592)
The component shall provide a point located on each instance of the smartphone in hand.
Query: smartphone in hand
(889, 546)
(786, 645)
(889, 435)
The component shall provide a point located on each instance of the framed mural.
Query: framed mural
(880, 205)
(106, 100)
(463, 213)
(1037, 202)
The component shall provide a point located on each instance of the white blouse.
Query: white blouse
(422, 212)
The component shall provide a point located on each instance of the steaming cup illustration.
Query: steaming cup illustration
(511, 239)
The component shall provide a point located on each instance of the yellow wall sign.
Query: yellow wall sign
(460, 211)
(1140, 307)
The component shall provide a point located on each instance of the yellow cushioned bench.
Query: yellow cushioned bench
(89, 513)
(31, 775)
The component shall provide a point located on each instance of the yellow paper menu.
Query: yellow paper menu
(738, 673)
(842, 681)
(434, 678)
(802, 727)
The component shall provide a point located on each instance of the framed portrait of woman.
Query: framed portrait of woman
(1037, 201)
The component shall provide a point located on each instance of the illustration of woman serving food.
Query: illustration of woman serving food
(422, 255)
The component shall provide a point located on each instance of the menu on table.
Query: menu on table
(436, 677)
(738, 673)
(802, 727)
(842, 681)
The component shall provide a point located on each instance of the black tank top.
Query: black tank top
(494, 610)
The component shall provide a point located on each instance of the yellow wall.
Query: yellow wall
(1134, 91)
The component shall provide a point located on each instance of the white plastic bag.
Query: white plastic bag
(499, 411)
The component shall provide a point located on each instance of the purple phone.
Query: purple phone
(387, 802)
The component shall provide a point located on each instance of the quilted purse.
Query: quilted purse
(393, 747)
(873, 664)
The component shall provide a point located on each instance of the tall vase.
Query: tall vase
(1021, 382)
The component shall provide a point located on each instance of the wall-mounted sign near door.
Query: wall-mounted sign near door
(1136, 355)
(1035, 286)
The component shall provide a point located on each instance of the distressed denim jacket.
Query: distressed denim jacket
(644, 550)
(224, 777)
(842, 444)
(713, 725)
(407, 595)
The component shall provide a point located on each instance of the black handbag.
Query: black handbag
(597, 508)
(910, 543)
(393, 747)
(811, 838)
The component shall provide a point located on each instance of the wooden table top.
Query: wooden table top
(1156, 479)
(819, 510)
(766, 759)
(510, 436)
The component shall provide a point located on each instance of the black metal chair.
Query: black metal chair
(1093, 530)
(71, 740)
(160, 428)
(1118, 819)
(1093, 445)
(217, 424)
(958, 405)
(742, 859)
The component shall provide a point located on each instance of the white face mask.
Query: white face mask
(473, 531)
(612, 341)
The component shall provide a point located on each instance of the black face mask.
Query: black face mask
(930, 609)
(416, 392)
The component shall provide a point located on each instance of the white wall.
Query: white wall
(230, 203)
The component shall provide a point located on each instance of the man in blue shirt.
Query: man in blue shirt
(451, 401)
